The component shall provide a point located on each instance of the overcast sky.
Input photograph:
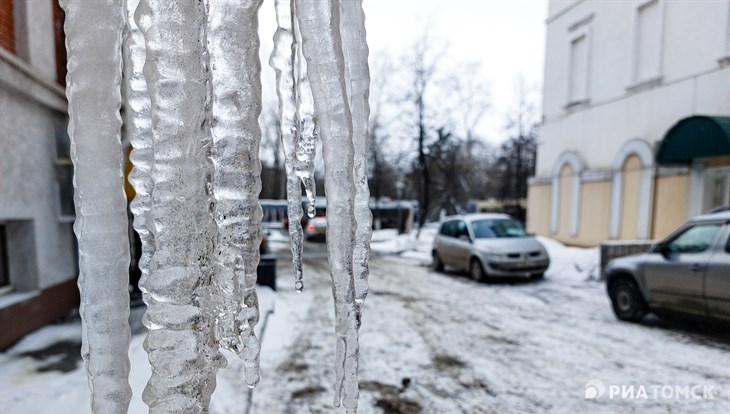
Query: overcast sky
(506, 36)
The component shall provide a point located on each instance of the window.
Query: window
(648, 44)
(4, 272)
(60, 39)
(7, 26)
(695, 239)
(578, 83)
(64, 174)
(727, 245)
(446, 229)
(489, 229)
(460, 229)
(716, 191)
(454, 228)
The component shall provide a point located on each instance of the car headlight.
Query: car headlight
(489, 253)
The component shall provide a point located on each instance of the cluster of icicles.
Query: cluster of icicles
(188, 77)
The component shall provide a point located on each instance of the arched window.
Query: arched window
(635, 149)
(566, 170)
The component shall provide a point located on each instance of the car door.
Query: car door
(717, 280)
(444, 243)
(675, 279)
(462, 245)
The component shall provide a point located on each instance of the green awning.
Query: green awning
(695, 137)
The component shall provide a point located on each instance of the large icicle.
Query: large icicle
(282, 61)
(181, 344)
(355, 48)
(319, 22)
(137, 123)
(234, 55)
(94, 43)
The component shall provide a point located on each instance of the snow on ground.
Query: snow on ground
(430, 343)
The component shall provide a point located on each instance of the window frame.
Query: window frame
(577, 31)
(635, 82)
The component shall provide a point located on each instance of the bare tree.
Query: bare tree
(271, 144)
(422, 64)
(518, 154)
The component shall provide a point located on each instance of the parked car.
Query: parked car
(316, 228)
(488, 245)
(266, 270)
(686, 273)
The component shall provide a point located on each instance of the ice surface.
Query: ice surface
(355, 47)
(233, 44)
(282, 61)
(94, 32)
(138, 131)
(319, 24)
(307, 128)
(181, 344)
(299, 130)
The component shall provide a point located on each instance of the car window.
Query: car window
(448, 229)
(727, 245)
(488, 229)
(460, 229)
(695, 239)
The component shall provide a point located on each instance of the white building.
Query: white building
(37, 254)
(619, 75)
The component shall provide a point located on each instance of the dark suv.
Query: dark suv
(687, 273)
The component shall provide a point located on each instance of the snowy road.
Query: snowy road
(440, 343)
(430, 343)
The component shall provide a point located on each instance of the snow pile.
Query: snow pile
(571, 263)
(409, 245)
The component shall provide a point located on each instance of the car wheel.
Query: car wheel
(436, 263)
(476, 271)
(628, 305)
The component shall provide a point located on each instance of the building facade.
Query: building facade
(37, 246)
(636, 128)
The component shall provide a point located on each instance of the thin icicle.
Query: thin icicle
(283, 60)
(138, 130)
(319, 23)
(308, 131)
(355, 48)
(94, 42)
(233, 44)
(181, 344)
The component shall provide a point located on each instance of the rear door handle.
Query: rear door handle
(696, 267)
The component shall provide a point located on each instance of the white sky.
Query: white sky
(506, 36)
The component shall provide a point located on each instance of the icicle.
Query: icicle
(137, 129)
(94, 43)
(234, 54)
(352, 27)
(181, 344)
(308, 131)
(282, 60)
(322, 47)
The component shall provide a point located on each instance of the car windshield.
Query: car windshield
(489, 229)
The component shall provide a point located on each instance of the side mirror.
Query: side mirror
(465, 237)
(531, 234)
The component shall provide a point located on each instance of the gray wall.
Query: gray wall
(32, 115)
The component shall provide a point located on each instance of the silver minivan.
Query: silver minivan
(687, 273)
(488, 245)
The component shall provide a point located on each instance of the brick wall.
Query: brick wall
(7, 26)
